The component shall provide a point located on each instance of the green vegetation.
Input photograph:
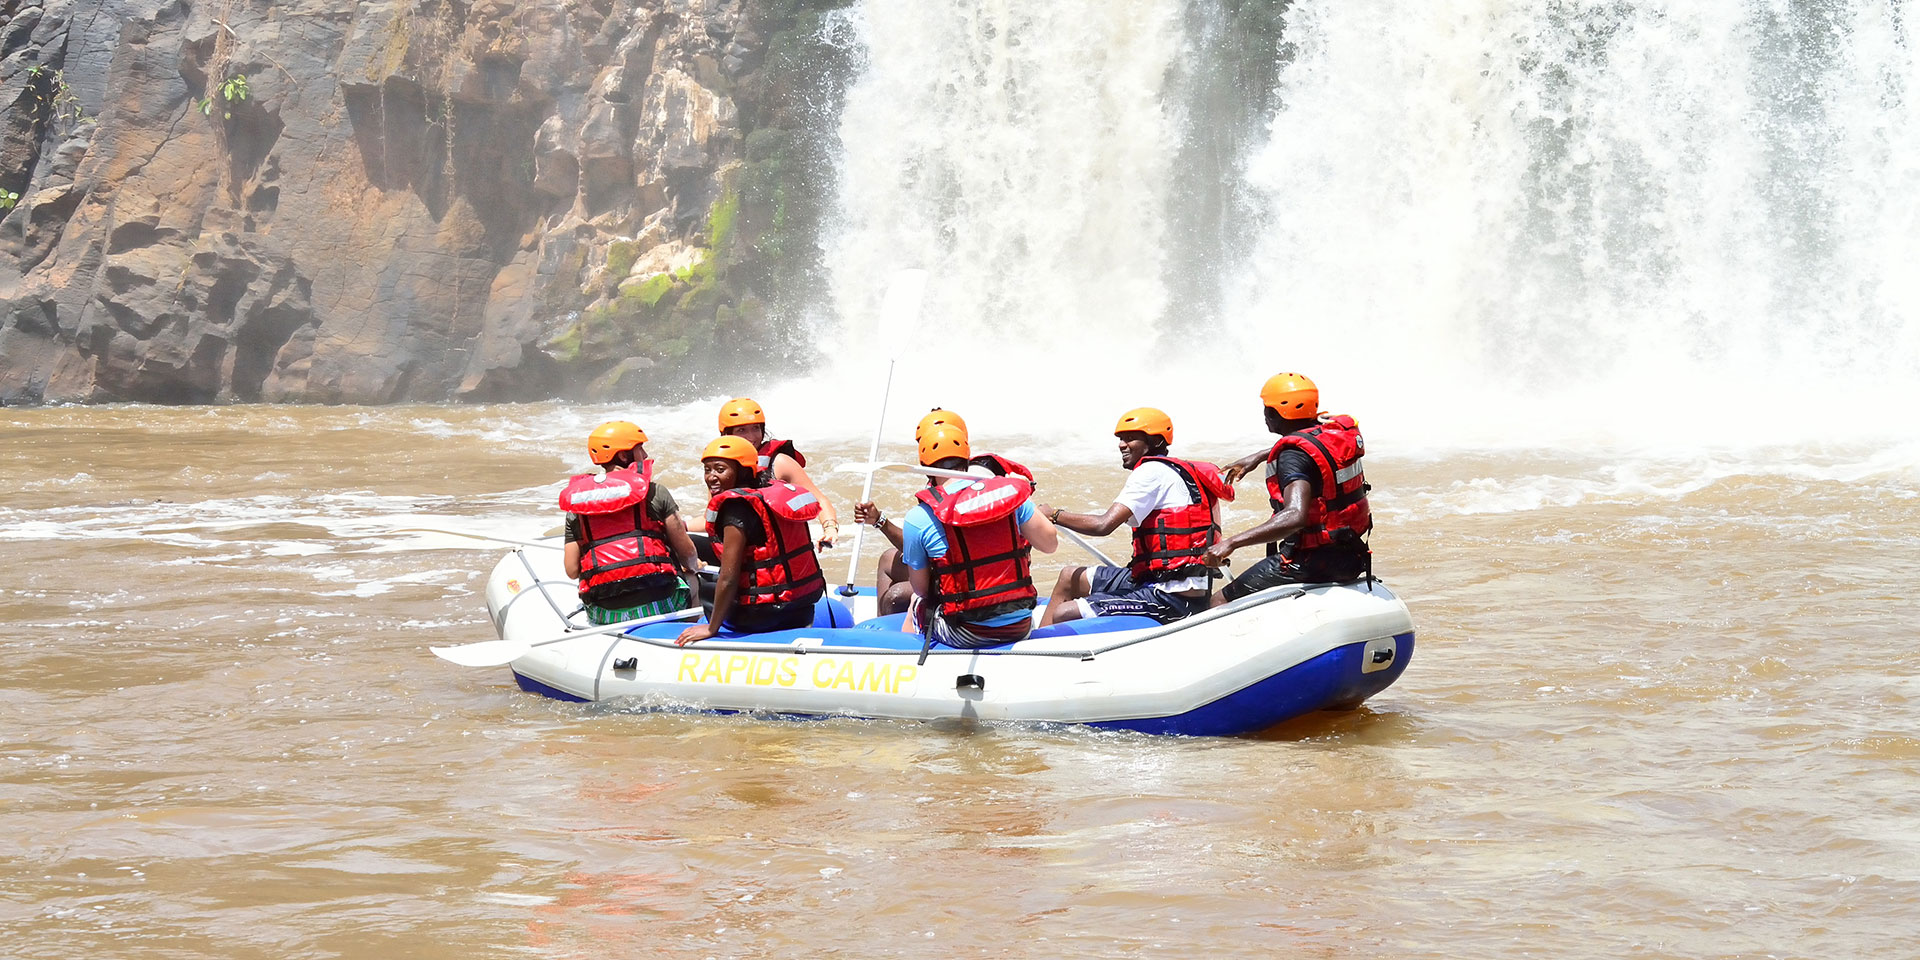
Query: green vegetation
(231, 91)
(8, 198)
(649, 294)
(620, 257)
(54, 99)
(720, 219)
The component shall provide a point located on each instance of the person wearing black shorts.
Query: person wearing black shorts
(1318, 491)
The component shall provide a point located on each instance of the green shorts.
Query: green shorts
(606, 616)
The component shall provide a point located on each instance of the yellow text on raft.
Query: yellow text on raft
(862, 675)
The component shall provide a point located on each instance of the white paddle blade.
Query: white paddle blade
(496, 653)
(866, 467)
(870, 468)
(487, 653)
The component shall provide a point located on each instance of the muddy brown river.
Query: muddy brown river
(1660, 707)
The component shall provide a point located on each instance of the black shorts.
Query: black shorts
(1115, 594)
(768, 617)
(1316, 566)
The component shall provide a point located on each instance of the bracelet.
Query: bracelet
(879, 520)
(1056, 515)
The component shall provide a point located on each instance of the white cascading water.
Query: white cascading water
(1489, 222)
(1017, 151)
(1577, 214)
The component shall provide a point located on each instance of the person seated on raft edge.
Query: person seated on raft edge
(1174, 508)
(967, 546)
(1318, 490)
(777, 459)
(890, 576)
(624, 536)
(770, 577)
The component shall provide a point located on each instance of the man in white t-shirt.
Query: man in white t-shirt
(1173, 506)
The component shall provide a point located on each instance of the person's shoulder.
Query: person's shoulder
(660, 498)
(919, 516)
(1155, 473)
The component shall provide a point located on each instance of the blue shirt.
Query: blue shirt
(923, 538)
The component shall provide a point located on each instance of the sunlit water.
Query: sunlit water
(1660, 708)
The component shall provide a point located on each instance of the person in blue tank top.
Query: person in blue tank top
(978, 593)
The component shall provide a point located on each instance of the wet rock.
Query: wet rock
(414, 202)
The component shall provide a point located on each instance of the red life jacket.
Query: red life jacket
(1000, 466)
(1340, 508)
(622, 548)
(985, 573)
(1171, 542)
(772, 448)
(784, 569)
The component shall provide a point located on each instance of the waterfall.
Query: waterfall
(1551, 217)
(1023, 153)
(1702, 209)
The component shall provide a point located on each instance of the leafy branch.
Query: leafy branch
(56, 100)
(232, 90)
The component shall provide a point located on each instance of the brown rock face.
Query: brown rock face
(418, 200)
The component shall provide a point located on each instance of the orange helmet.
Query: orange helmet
(938, 416)
(1147, 420)
(1292, 396)
(732, 448)
(613, 438)
(739, 412)
(942, 441)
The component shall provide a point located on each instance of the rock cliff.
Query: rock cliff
(364, 202)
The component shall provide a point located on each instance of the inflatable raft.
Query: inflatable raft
(1237, 669)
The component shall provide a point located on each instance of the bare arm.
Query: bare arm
(733, 560)
(865, 512)
(570, 560)
(1040, 532)
(1291, 519)
(784, 468)
(681, 544)
(1092, 524)
(1232, 472)
(922, 581)
(684, 552)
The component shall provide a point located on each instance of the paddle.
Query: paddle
(898, 314)
(476, 536)
(495, 653)
(871, 468)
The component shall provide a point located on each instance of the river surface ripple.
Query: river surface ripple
(1659, 708)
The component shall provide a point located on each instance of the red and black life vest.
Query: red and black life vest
(622, 548)
(784, 568)
(1339, 510)
(1000, 466)
(1171, 542)
(771, 448)
(985, 572)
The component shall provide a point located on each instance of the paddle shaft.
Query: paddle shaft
(478, 536)
(866, 489)
(494, 653)
(963, 475)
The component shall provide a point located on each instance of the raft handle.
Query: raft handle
(627, 663)
(970, 681)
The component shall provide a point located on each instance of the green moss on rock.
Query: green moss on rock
(620, 257)
(650, 292)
